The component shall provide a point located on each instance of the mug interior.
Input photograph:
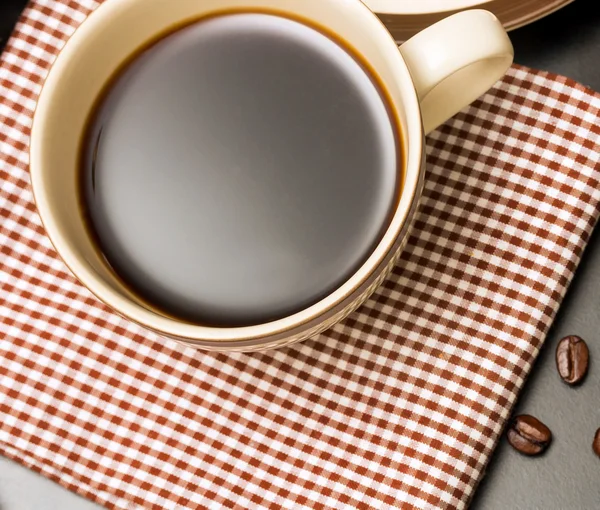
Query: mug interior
(117, 30)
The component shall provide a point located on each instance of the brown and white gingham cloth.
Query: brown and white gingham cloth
(400, 406)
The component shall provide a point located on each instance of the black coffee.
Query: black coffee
(240, 169)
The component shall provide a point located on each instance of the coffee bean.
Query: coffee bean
(528, 435)
(572, 359)
(596, 443)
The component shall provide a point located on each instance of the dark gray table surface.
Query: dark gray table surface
(568, 476)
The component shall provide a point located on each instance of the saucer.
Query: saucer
(404, 18)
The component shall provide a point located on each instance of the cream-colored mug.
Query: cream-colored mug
(429, 79)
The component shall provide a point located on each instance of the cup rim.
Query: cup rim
(289, 325)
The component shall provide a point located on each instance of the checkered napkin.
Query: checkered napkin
(400, 406)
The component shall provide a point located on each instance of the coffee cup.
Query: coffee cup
(400, 93)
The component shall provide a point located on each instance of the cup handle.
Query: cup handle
(455, 61)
